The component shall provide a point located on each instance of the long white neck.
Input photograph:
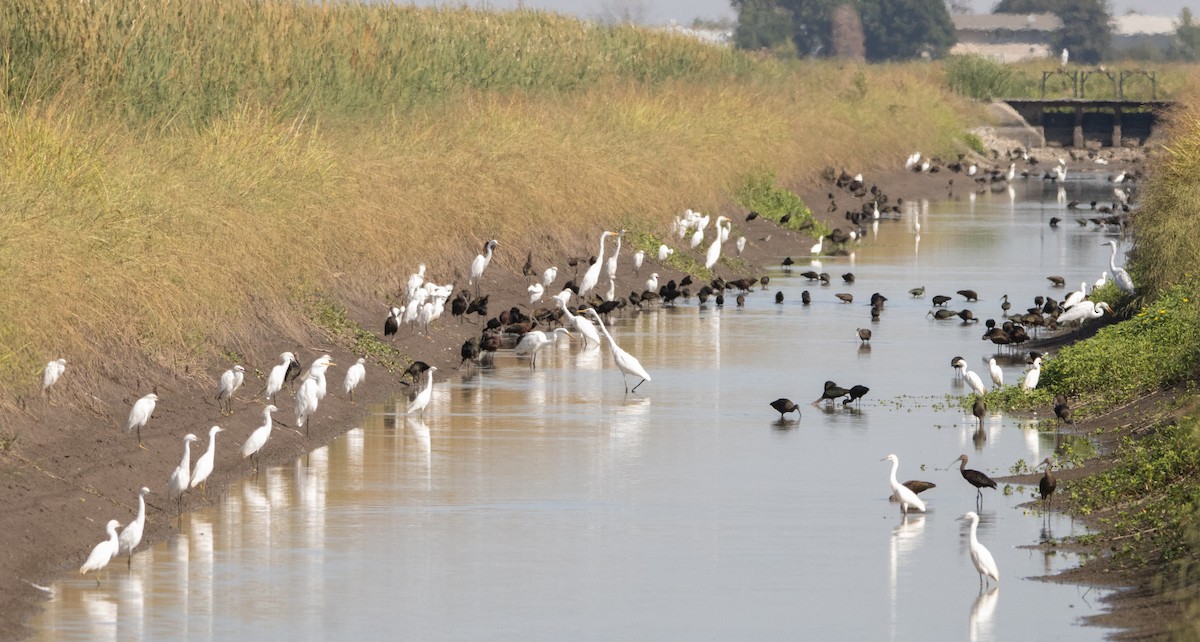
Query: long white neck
(895, 465)
(212, 444)
(141, 516)
(611, 343)
(112, 535)
(1112, 260)
(974, 527)
(187, 454)
(600, 256)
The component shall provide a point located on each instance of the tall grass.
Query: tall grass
(174, 229)
(983, 79)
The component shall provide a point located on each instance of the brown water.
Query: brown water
(549, 505)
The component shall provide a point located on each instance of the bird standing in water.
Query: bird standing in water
(980, 556)
(1047, 483)
(974, 477)
(902, 493)
(784, 406)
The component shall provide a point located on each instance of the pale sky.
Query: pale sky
(684, 11)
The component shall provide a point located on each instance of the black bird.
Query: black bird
(917, 486)
(979, 410)
(1056, 281)
(864, 334)
(527, 269)
(479, 306)
(832, 392)
(943, 314)
(293, 371)
(752, 215)
(810, 275)
(764, 281)
(940, 299)
(1061, 409)
(1054, 221)
(469, 351)
(788, 263)
(459, 305)
(741, 300)
(854, 394)
(783, 220)
(966, 315)
(392, 323)
(845, 297)
(784, 406)
(974, 477)
(916, 292)
(969, 295)
(848, 277)
(720, 300)
(415, 370)
(1047, 483)
(805, 297)
(778, 296)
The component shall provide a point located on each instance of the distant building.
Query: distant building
(1137, 32)
(1005, 37)
(721, 37)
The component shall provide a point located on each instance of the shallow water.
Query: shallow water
(550, 505)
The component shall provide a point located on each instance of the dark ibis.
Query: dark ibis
(741, 300)
(960, 366)
(848, 277)
(969, 295)
(917, 292)
(784, 406)
(1062, 409)
(788, 263)
(845, 297)
(943, 314)
(779, 297)
(1056, 281)
(940, 299)
(979, 409)
(916, 486)
(527, 269)
(832, 392)
(392, 323)
(764, 281)
(810, 275)
(805, 297)
(1047, 483)
(974, 477)
(966, 315)
(469, 351)
(864, 334)
(855, 393)
(752, 215)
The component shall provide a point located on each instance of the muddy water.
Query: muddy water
(550, 505)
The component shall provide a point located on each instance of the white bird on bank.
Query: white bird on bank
(104, 552)
(901, 492)
(421, 401)
(182, 474)
(132, 535)
(231, 380)
(415, 281)
(535, 292)
(275, 378)
(355, 375)
(548, 276)
(912, 160)
(664, 252)
(626, 363)
(51, 373)
(611, 267)
(714, 250)
(639, 257)
(142, 410)
(592, 276)
(204, 463)
(1083, 312)
(1120, 276)
(980, 556)
(1031, 377)
(741, 245)
(652, 282)
(975, 382)
(583, 326)
(480, 264)
(311, 391)
(531, 344)
(1076, 296)
(996, 372)
(816, 249)
(259, 437)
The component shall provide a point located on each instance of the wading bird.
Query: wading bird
(140, 414)
(902, 493)
(275, 378)
(980, 556)
(784, 406)
(582, 325)
(182, 474)
(1083, 312)
(610, 268)
(131, 536)
(714, 250)
(592, 276)
(480, 264)
(391, 324)
(996, 372)
(533, 342)
(231, 380)
(1047, 483)
(421, 401)
(204, 463)
(1031, 377)
(974, 477)
(103, 553)
(960, 366)
(355, 375)
(1120, 276)
(626, 363)
(258, 438)
(975, 382)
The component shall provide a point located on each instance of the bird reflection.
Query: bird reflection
(979, 438)
(864, 349)
(982, 612)
(101, 614)
(905, 537)
(424, 448)
(785, 424)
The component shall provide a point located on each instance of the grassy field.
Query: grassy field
(175, 172)
(980, 78)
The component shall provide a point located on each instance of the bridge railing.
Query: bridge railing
(1078, 80)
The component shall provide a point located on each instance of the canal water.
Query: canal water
(551, 505)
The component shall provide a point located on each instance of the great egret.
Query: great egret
(1120, 276)
(664, 252)
(204, 463)
(974, 477)
(421, 401)
(581, 324)
(592, 276)
(140, 414)
(900, 492)
(52, 372)
(103, 553)
(548, 276)
(980, 556)
(1083, 312)
(611, 267)
(182, 474)
(626, 363)
(975, 382)
(652, 282)
(1047, 483)
(355, 375)
(275, 378)
(258, 438)
(391, 324)
(533, 342)
(816, 249)
(480, 264)
(131, 536)
(784, 406)
(639, 257)
(231, 380)
(1031, 377)
(996, 372)
(714, 250)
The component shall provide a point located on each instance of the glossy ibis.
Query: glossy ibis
(864, 334)
(1062, 409)
(845, 297)
(855, 393)
(969, 295)
(979, 409)
(974, 477)
(1047, 483)
(940, 299)
(832, 392)
(917, 292)
(784, 406)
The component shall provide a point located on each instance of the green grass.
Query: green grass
(332, 318)
(760, 194)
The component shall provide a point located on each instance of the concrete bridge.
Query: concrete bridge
(1077, 121)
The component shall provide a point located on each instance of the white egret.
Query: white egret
(182, 474)
(51, 373)
(816, 249)
(563, 297)
(639, 257)
(1064, 57)
(1082, 312)
(581, 324)
(1076, 296)
(627, 363)
(1120, 276)
(480, 263)
(535, 292)
(355, 375)
(975, 382)
(912, 160)
(204, 463)
(140, 414)
(317, 371)
(652, 282)
(275, 378)
(611, 292)
(901, 492)
(996, 372)
(415, 281)
(131, 536)
(697, 238)
(972, 169)
(311, 391)
(611, 267)
(531, 343)
(548, 276)
(592, 276)
(980, 556)
(664, 252)
(231, 380)
(714, 250)
(103, 553)
(741, 245)
(421, 401)
(1031, 377)
(259, 437)
(1102, 281)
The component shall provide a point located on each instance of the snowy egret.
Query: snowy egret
(639, 258)
(311, 392)
(480, 264)
(1031, 377)
(581, 324)
(714, 250)
(258, 438)
(980, 556)
(611, 267)
(533, 342)
(1082, 312)
(592, 276)
(420, 402)
(355, 375)
(548, 276)
(51, 373)
(741, 245)
(275, 378)
(626, 363)
(996, 372)
(204, 463)
(231, 380)
(140, 414)
(415, 281)
(664, 252)
(103, 553)
(652, 282)
(816, 249)
(975, 382)
(182, 474)
(784, 406)
(974, 477)
(1120, 276)
(900, 492)
(131, 536)
(317, 371)
(1047, 483)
